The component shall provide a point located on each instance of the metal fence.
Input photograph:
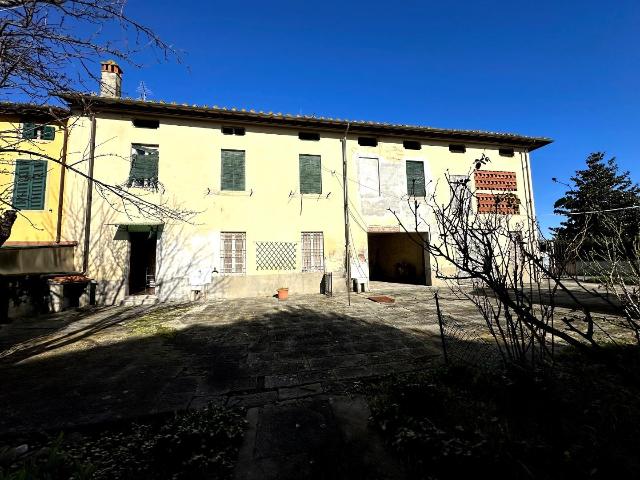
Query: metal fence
(463, 344)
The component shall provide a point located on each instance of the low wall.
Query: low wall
(41, 259)
(224, 286)
(267, 285)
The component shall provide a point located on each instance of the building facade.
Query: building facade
(193, 200)
(32, 151)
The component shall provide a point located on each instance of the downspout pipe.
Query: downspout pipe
(61, 188)
(87, 219)
(345, 185)
(532, 222)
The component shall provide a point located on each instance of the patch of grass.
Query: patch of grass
(580, 421)
(192, 444)
(153, 323)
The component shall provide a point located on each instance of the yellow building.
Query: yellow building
(234, 203)
(32, 151)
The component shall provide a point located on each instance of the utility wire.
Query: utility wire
(591, 211)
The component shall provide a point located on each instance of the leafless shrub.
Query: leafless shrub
(48, 47)
(52, 46)
(614, 262)
(493, 259)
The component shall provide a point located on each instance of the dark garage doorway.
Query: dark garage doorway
(142, 263)
(398, 258)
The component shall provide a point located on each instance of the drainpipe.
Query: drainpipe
(87, 220)
(346, 213)
(524, 158)
(61, 189)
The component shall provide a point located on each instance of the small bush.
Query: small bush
(192, 444)
(582, 421)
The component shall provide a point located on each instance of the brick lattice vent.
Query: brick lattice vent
(507, 204)
(494, 180)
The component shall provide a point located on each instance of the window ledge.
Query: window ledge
(232, 193)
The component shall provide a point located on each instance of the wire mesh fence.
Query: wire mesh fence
(465, 343)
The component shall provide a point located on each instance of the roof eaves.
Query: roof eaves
(107, 104)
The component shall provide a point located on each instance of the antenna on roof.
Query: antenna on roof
(144, 91)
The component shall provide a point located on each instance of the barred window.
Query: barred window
(233, 252)
(312, 252)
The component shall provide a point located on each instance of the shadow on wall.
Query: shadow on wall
(109, 259)
(107, 370)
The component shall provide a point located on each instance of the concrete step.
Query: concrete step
(136, 300)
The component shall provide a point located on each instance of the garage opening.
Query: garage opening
(398, 258)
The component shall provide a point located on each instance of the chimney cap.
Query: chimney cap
(111, 66)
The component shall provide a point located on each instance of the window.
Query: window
(369, 176)
(309, 136)
(144, 166)
(506, 152)
(310, 174)
(460, 192)
(145, 123)
(415, 178)
(32, 131)
(233, 131)
(367, 141)
(233, 252)
(457, 148)
(30, 184)
(411, 145)
(312, 252)
(233, 170)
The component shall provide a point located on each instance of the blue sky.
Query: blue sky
(568, 70)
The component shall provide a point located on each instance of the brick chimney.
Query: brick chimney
(111, 80)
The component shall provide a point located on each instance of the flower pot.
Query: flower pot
(283, 293)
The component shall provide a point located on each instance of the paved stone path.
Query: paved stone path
(289, 363)
(122, 362)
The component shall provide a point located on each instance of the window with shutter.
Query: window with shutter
(233, 252)
(144, 166)
(233, 170)
(29, 185)
(310, 174)
(28, 130)
(415, 178)
(31, 130)
(48, 132)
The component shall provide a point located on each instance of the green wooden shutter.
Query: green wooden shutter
(48, 132)
(144, 170)
(310, 174)
(30, 183)
(233, 170)
(29, 130)
(415, 178)
(21, 184)
(38, 184)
